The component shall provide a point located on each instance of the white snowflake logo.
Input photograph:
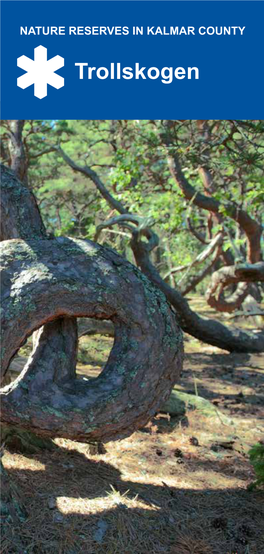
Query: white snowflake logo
(40, 72)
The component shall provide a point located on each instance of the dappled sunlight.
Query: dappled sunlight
(18, 462)
(109, 501)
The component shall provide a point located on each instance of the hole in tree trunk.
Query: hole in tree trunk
(96, 339)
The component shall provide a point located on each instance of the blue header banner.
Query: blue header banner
(132, 60)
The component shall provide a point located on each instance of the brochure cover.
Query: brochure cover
(132, 311)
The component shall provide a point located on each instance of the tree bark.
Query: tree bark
(248, 273)
(43, 280)
(19, 162)
(239, 274)
(231, 303)
(20, 216)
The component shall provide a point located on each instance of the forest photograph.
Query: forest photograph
(132, 336)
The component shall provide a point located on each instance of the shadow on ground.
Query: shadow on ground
(79, 505)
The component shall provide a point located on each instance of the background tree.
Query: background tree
(200, 183)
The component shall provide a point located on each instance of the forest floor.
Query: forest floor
(178, 486)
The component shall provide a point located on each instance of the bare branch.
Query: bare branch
(93, 176)
(198, 277)
(242, 274)
(194, 231)
(206, 330)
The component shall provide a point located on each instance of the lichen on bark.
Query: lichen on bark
(45, 285)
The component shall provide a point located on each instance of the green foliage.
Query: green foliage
(131, 161)
(256, 456)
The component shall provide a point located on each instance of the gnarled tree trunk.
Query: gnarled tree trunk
(20, 218)
(46, 285)
(43, 280)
